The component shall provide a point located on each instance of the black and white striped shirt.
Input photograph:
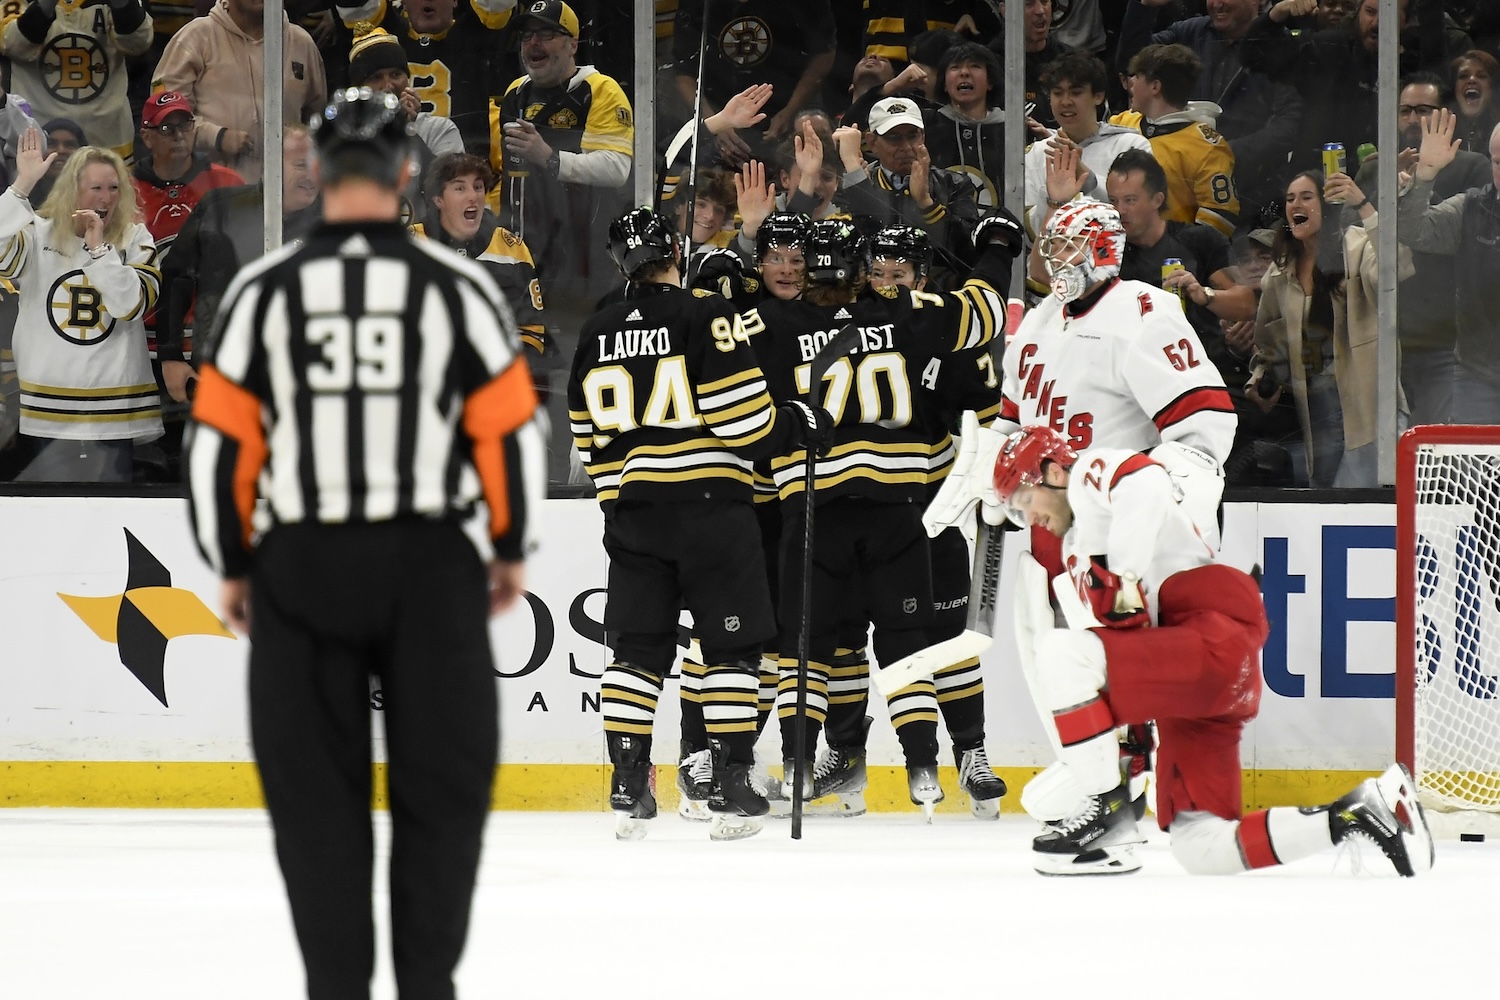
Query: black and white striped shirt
(358, 377)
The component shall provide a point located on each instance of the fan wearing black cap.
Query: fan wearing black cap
(370, 387)
(562, 138)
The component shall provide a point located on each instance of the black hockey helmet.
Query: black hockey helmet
(906, 243)
(641, 237)
(781, 229)
(362, 133)
(836, 251)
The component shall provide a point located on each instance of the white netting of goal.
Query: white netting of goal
(1456, 717)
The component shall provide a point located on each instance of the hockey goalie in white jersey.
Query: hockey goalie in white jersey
(1105, 363)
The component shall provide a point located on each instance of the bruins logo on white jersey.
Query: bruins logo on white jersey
(75, 68)
(76, 310)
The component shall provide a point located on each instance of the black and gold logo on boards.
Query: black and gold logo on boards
(141, 620)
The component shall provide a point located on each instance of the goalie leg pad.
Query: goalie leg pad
(1205, 844)
(1053, 795)
(1073, 677)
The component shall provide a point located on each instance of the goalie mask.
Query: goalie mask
(1083, 244)
(1019, 464)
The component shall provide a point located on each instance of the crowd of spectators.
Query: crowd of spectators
(1205, 123)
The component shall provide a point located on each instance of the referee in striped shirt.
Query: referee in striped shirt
(362, 393)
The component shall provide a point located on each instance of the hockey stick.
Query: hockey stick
(979, 625)
(838, 346)
(692, 184)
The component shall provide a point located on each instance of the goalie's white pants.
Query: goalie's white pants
(1070, 689)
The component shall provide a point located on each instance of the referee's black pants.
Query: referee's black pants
(405, 601)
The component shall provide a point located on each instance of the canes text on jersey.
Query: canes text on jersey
(630, 343)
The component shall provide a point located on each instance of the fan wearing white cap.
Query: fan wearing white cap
(902, 187)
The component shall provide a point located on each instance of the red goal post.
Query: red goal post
(1448, 622)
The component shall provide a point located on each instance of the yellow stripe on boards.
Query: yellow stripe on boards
(521, 787)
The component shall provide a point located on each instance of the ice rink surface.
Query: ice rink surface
(164, 904)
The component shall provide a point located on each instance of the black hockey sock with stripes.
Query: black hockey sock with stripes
(848, 698)
(690, 696)
(731, 696)
(960, 696)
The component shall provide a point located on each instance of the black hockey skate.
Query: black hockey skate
(695, 780)
(924, 788)
(980, 783)
(1385, 810)
(1099, 839)
(736, 806)
(840, 772)
(630, 796)
(788, 769)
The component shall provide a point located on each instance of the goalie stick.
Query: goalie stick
(838, 346)
(979, 624)
(984, 584)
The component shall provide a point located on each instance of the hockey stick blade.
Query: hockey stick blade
(929, 660)
(984, 578)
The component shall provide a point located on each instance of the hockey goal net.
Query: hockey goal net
(1448, 622)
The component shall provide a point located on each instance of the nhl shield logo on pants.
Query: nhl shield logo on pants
(732, 623)
(909, 606)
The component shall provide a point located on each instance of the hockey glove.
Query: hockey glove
(1116, 601)
(1000, 227)
(812, 426)
(971, 480)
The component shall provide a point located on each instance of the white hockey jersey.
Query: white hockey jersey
(80, 337)
(1125, 508)
(1127, 372)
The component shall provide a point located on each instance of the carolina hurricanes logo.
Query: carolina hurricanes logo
(746, 41)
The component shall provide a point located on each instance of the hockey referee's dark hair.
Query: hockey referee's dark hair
(362, 133)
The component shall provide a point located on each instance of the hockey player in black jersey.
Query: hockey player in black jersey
(669, 409)
(900, 257)
(871, 557)
(781, 272)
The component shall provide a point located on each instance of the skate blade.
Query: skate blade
(984, 808)
(929, 809)
(695, 810)
(628, 827)
(1118, 860)
(732, 826)
(844, 806)
(1399, 791)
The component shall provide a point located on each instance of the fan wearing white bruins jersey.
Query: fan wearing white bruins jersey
(669, 409)
(86, 270)
(871, 556)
